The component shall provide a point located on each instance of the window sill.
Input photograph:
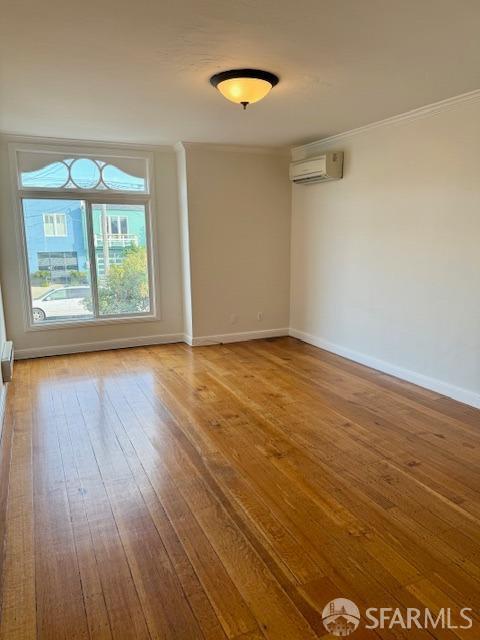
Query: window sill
(49, 326)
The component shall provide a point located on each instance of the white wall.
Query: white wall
(169, 290)
(385, 263)
(239, 232)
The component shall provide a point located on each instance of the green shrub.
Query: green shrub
(125, 288)
(41, 278)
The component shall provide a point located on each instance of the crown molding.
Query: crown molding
(235, 148)
(301, 151)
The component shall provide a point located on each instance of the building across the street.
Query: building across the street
(56, 238)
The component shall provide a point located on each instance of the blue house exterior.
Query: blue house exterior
(57, 240)
(63, 252)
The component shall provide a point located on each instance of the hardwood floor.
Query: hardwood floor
(232, 492)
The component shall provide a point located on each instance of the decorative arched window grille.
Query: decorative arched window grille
(64, 171)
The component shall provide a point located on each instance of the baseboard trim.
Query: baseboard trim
(141, 341)
(457, 393)
(224, 338)
(102, 345)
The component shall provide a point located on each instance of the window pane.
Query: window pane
(78, 292)
(54, 170)
(114, 225)
(121, 259)
(58, 294)
(61, 225)
(49, 224)
(52, 175)
(57, 260)
(84, 173)
(114, 178)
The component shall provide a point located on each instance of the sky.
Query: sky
(82, 173)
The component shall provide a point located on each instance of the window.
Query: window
(50, 170)
(78, 292)
(59, 294)
(86, 228)
(54, 224)
(117, 225)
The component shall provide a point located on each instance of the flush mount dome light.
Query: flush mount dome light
(244, 86)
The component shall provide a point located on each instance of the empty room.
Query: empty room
(240, 320)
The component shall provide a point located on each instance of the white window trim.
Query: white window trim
(89, 197)
(55, 233)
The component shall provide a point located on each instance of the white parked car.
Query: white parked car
(61, 303)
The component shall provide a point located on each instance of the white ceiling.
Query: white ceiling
(138, 70)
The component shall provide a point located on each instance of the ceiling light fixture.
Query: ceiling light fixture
(244, 86)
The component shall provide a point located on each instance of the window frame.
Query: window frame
(90, 197)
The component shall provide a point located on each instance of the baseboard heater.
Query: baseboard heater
(7, 361)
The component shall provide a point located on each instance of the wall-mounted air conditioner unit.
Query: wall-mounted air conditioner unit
(318, 169)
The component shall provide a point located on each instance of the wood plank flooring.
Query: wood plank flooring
(230, 492)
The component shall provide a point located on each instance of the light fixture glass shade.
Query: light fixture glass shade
(244, 90)
(244, 86)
